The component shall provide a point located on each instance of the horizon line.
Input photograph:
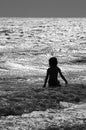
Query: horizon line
(39, 17)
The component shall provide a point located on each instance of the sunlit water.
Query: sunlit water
(26, 44)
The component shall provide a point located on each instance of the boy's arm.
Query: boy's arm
(46, 78)
(62, 76)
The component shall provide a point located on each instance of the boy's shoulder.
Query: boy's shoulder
(48, 69)
(56, 68)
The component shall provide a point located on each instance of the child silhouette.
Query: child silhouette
(52, 74)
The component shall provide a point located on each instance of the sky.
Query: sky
(42, 8)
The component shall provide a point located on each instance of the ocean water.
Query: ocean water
(26, 44)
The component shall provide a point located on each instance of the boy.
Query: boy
(52, 74)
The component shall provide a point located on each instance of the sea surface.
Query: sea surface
(26, 44)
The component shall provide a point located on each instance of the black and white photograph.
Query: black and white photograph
(42, 65)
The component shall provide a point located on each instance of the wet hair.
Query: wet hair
(53, 62)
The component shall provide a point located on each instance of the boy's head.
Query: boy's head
(53, 62)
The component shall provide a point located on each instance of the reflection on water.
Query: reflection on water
(26, 44)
